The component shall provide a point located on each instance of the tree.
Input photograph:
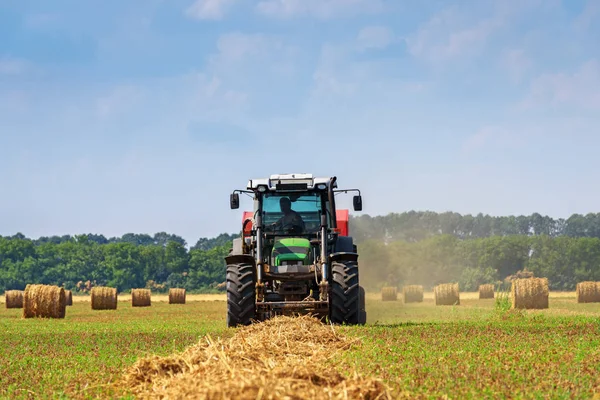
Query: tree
(176, 257)
(162, 238)
(209, 243)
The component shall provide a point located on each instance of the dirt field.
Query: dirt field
(473, 350)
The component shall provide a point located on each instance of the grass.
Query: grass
(77, 356)
(494, 354)
(478, 349)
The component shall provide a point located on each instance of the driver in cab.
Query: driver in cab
(290, 221)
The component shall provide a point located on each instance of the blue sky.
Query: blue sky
(142, 115)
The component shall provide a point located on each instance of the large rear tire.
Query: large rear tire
(362, 313)
(241, 294)
(345, 294)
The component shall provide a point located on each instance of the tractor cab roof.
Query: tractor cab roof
(289, 182)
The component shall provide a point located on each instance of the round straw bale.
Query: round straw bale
(140, 297)
(69, 297)
(446, 294)
(486, 291)
(413, 293)
(176, 296)
(44, 301)
(530, 293)
(389, 293)
(14, 298)
(588, 292)
(104, 298)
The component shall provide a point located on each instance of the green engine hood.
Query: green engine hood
(290, 249)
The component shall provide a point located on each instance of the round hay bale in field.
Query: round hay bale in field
(446, 294)
(44, 301)
(588, 292)
(104, 298)
(529, 293)
(486, 291)
(140, 297)
(389, 293)
(69, 297)
(13, 298)
(413, 293)
(176, 296)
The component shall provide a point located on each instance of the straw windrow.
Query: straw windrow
(44, 301)
(281, 358)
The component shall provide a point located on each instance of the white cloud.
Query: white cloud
(517, 63)
(590, 13)
(12, 66)
(353, 95)
(213, 86)
(495, 138)
(461, 31)
(209, 9)
(580, 88)
(477, 141)
(245, 59)
(119, 100)
(322, 9)
(377, 37)
(447, 36)
(234, 47)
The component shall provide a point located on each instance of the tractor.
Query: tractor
(294, 255)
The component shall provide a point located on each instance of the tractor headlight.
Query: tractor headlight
(321, 186)
(262, 188)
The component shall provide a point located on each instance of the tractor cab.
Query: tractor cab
(290, 240)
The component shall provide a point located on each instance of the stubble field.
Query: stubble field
(474, 350)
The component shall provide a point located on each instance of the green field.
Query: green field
(469, 351)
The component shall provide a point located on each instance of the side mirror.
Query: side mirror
(357, 203)
(234, 201)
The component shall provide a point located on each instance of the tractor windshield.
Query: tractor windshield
(291, 213)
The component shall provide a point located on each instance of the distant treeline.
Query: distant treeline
(414, 226)
(413, 247)
(132, 261)
(140, 239)
(445, 258)
(427, 248)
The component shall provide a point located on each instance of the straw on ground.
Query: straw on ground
(284, 357)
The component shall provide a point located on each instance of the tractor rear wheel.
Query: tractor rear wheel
(362, 313)
(345, 293)
(241, 294)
